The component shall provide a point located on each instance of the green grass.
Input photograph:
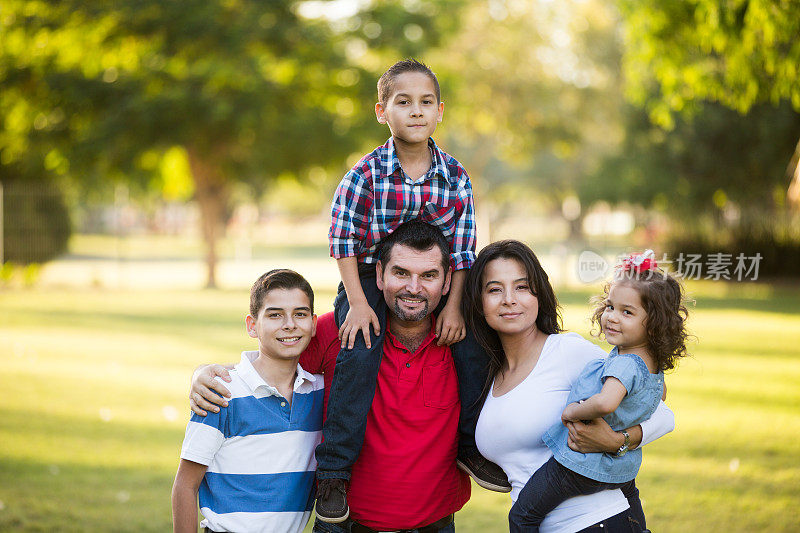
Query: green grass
(94, 406)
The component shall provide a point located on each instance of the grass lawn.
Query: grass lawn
(94, 407)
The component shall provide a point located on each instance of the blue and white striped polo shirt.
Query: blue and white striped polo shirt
(260, 453)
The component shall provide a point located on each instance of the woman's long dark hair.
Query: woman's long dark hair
(548, 320)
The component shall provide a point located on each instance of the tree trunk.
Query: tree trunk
(793, 170)
(211, 192)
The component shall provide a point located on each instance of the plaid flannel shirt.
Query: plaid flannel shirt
(376, 196)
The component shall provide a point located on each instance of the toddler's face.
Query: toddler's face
(624, 318)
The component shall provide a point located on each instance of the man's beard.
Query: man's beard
(409, 316)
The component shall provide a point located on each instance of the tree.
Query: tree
(248, 90)
(532, 99)
(739, 53)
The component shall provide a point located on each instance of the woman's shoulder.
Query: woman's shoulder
(572, 342)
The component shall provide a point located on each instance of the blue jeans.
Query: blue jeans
(356, 375)
(344, 527)
(554, 483)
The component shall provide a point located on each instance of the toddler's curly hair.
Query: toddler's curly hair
(663, 299)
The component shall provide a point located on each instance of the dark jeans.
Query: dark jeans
(356, 375)
(344, 527)
(554, 483)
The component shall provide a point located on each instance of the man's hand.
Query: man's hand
(206, 392)
(450, 326)
(359, 318)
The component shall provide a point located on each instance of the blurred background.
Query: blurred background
(157, 156)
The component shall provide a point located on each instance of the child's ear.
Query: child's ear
(441, 112)
(380, 113)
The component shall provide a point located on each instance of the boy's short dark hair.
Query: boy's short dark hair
(386, 81)
(280, 278)
(417, 235)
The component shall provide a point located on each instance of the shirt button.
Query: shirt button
(283, 404)
(408, 365)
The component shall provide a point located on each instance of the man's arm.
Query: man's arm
(184, 496)
(206, 392)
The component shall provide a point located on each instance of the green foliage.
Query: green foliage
(36, 224)
(715, 163)
(738, 53)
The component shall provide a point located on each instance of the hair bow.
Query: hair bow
(639, 262)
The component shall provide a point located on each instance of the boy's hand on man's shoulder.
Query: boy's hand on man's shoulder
(359, 318)
(450, 326)
(206, 392)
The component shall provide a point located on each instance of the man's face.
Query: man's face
(413, 282)
(412, 110)
(285, 324)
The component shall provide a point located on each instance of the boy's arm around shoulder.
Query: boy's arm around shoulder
(184, 496)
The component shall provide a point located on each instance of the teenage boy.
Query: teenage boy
(253, 461)
(407, 178)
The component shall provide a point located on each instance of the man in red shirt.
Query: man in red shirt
(405, 477)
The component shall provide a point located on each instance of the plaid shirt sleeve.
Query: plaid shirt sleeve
(351, 212)
(465, 235)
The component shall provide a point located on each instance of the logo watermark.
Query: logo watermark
(592, 266)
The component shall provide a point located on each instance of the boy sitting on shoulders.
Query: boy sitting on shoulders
(253, 461)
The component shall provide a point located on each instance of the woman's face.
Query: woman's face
(509, 305)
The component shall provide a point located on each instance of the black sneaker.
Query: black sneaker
(485, 473)
(332, 501)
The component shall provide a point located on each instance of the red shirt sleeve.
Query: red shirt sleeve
(320, 356)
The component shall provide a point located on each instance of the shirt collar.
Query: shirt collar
(438, 165)
(255, 382)
(400, 346)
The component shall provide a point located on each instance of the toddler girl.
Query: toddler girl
(642, 315)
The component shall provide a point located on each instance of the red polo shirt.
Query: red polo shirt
(406, 475)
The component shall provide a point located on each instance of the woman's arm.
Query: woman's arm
(598, 437)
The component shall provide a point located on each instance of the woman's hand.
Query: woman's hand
(596, 436)
(570, 414)
(450, 325)
(207, 392)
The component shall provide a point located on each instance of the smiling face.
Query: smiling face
(624, 318)
(413, 282)
(413, 110)
(509, 305)
(284, 325)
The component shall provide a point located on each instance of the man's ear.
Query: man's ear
(379, 275)
(250, 324)
(313, 325)
(380, 113)
(447, 278)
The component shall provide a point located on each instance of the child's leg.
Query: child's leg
(632, 494)
(545, 490)
(353, 387)
(472, 367)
